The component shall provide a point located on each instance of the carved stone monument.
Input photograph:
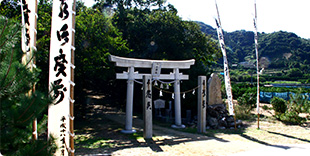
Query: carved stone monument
(214, 90)
(217, 115)
(158, 105)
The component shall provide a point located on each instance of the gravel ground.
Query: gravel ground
(99, 134)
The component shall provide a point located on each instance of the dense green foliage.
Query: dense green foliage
(283, 49)
(297, 104)
(239, 89)
(246, 103)
(283, 55)
(278, 105)
(18, 108)
(96, 39)
(132, 28)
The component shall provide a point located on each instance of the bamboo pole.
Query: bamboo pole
(34, 122)
(226, 68)
(28, 57)
(257, 64)
(72, 79)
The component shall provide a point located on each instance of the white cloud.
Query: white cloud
(273, 15)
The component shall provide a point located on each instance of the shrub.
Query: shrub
(265, 107)
(297, 104)
(278, 105)
(242, 113)
(248, 101)
(291, 118)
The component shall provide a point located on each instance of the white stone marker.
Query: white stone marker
(147, 107)
(202, 106)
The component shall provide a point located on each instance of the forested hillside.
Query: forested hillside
(281, 49)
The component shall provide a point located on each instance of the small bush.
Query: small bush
(297, 104)
(278, 105)
(291, 118)
(247, 101)
(242, 113)
(265, 107)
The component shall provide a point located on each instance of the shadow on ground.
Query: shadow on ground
(98, 132)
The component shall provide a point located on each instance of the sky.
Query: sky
(272, 15)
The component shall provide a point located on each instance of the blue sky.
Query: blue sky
(272, 15)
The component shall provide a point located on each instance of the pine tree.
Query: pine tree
(18, 108)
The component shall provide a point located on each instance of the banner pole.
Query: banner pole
(34, 122)
(257, 63)
(29, 37)
(72, 80)
(226, 68)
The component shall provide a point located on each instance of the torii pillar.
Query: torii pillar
(177, 100)
(129, 101)
(156, 66)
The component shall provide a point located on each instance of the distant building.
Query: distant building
(247, 64)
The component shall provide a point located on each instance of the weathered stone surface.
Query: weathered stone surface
(159, 103)
(218, 118)
(214, 90)
(213, 122)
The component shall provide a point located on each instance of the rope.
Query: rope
(138, 82)
(165, 91)
(166, 82)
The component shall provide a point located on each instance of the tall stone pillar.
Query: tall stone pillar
(202, 106)
(129, 102)
(177, 101)
(147, 107)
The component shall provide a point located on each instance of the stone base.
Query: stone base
(128, 131)
(178, 126)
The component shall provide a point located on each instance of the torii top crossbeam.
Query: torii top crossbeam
(146, 63)
(155, 65)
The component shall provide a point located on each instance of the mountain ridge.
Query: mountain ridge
(280, 48)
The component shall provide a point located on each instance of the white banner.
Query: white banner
(257, 59)
(226, 69)
(29, 32)
(60, 74)
(26, 24)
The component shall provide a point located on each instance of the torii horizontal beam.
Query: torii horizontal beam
(146, 63)
(136, 75)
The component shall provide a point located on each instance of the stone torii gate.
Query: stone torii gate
(156, 66)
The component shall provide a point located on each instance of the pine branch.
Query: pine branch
(42, 125)
(27, 119)
(26, 109)
(17, 73)
(41, 149)
(9, 39)
(7, 73)
(3, 30)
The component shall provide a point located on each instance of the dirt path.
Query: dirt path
(99, 134)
